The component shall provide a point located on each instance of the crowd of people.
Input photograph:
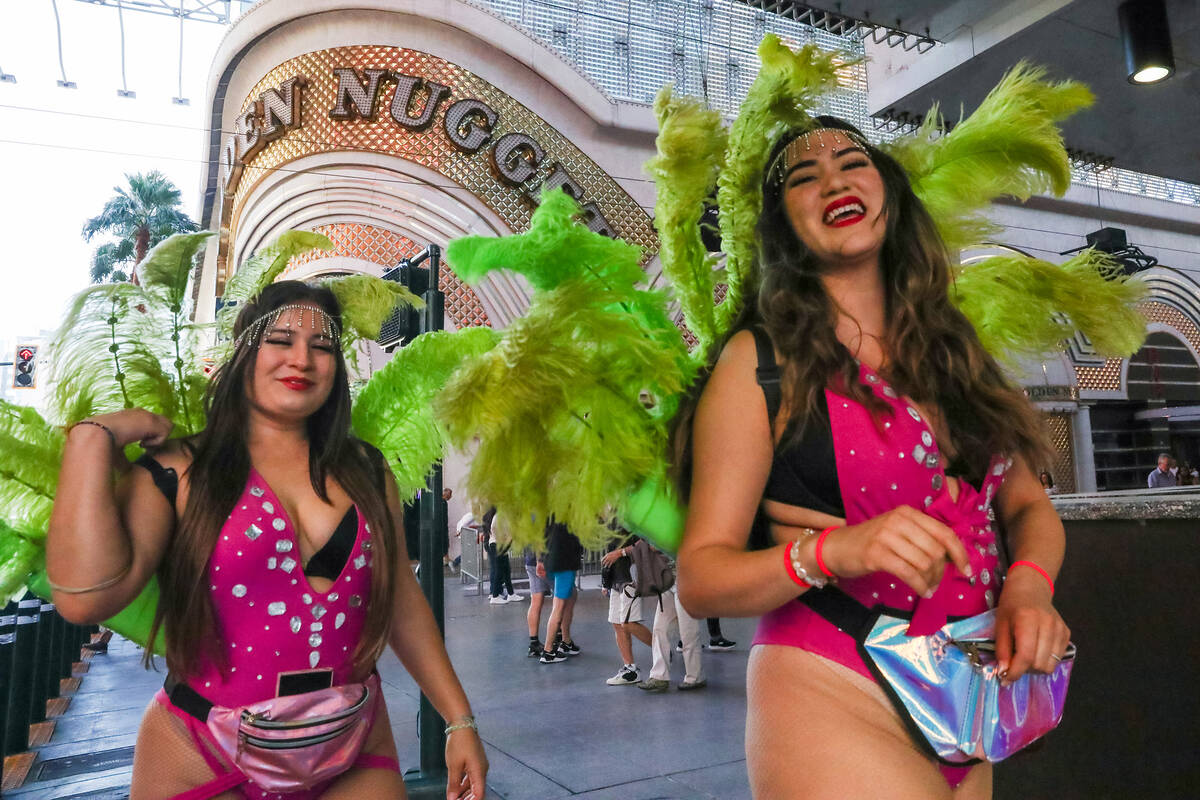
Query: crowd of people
(554, 573)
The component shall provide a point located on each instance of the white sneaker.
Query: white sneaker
(498, 600)
(515, 598)
(627, 675)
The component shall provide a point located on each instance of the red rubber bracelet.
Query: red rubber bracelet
(1040, 571)
(821, 543)
(787, 562)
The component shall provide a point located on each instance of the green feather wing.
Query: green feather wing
(394, 410)
(1010, 146)
(167, 268)
(1026, 307)
(781, 98)
(554, 411)
(691, 150)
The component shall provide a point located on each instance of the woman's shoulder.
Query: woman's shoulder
(176, 454)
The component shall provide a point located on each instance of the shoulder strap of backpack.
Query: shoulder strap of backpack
(767, 374)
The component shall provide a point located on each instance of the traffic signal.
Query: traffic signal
(25, 367)
(406, 322)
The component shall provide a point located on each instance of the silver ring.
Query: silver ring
(1056, 658)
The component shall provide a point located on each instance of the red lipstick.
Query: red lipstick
(296, 384)
(844, 211)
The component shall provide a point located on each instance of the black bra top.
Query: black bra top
(803, 472)
(328, 562)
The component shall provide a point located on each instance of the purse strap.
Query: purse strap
(767, 373)
(187, 699)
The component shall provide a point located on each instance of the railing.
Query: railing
(37, 649)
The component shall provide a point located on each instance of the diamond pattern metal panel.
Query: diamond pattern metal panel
(318, 133)
(386, 248)
(1107, 378)
(1058, 426)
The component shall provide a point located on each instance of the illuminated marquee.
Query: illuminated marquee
(517, 159)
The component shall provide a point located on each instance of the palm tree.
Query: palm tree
(140, 215)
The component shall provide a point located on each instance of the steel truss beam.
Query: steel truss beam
(842, 25)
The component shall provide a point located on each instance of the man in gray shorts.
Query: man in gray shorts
(539, 589)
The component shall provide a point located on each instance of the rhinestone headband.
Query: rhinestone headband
(315, 317)
(798, 147)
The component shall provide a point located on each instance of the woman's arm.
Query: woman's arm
(1029, 631)
(733, 448)
(417, 642)
(105, 541)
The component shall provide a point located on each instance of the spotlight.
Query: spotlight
(1146, 38)
(1114, 242)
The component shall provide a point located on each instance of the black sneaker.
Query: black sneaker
(535, 648)
(569, 648)
(720, 645)
(552, 657)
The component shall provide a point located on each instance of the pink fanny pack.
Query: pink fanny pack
(290, 743)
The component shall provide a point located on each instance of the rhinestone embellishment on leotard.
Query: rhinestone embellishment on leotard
(366, 545)
(272, 562)
(318, 611)
(313, 658)
(278, 524)
(239, 590)
(287, 565)
(256, 491)
(268, 507)
(989, 597)
(912, 412)
(919, 454)
(360, 561)
(986, 577)
(283, 546)
(926, 439)
(936, 482)
(295, 624)
(931, 461)
(307, 598)
(314, 640)
(890, 392)
(277, 609)
(317, 626)
(339, 620)
(355, 601)
(253, 532)
(333, 597)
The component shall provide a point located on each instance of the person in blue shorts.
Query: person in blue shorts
(564, 559)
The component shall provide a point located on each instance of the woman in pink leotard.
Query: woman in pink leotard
(895, 430)
(277, 540)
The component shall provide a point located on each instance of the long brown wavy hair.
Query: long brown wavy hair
(217, 477)
(933, 353)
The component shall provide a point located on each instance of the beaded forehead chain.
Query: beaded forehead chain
(797, 148)
(307, 316)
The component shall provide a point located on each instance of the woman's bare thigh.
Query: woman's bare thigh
(817, 730)
(165, 760)
(371, 782)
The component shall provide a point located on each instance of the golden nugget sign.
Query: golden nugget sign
(516, 159)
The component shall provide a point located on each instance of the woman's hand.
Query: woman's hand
(908, 543)
(136, 425)
(611, 557)
(467, 765)
(1030, 635)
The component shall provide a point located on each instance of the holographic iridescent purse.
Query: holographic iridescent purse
(945, 685)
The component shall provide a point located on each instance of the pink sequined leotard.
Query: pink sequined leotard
(879, 469)
(270, 620)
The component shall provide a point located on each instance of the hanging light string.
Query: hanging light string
(66, 84)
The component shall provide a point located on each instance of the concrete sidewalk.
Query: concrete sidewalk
(551, 730)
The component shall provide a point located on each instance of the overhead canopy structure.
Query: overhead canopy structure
(1149, 129)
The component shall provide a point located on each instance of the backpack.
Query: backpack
(652, 571)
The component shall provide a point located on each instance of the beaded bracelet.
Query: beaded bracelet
(464, 722)
(788, 564)
(1039, 570)
(112, 436)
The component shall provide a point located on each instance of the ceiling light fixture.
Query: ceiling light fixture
(1146, 39)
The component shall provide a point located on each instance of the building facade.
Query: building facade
(390, 126)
